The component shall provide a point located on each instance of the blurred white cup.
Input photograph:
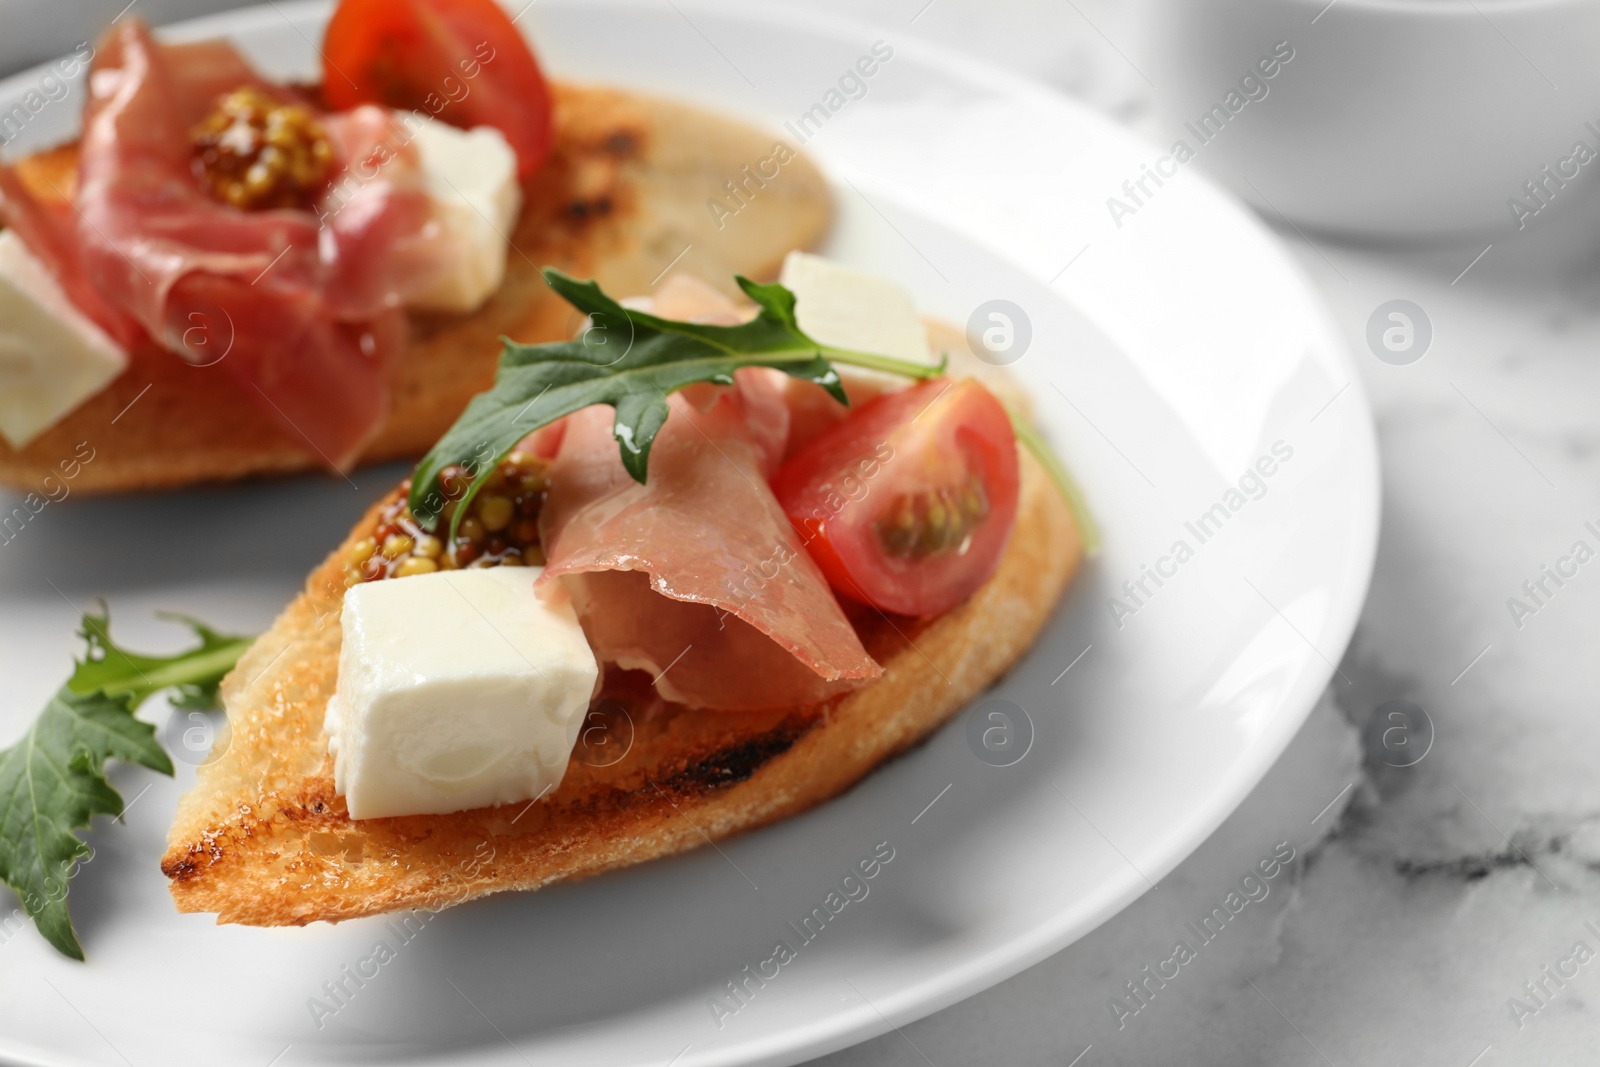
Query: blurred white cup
(1394, 118)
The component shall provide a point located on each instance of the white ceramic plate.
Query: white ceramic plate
(1167, 355)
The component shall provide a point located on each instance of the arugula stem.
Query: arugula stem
(888, 364)
(188, 670)
(1034, 442)
(902, 367)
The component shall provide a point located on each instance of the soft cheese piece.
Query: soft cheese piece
(52, 358)
(457, 690)
(849, 308)
(471, 176)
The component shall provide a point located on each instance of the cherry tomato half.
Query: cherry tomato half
(906, 505)
(460, 61)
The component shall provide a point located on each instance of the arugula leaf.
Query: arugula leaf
(632, 361)
(195, 674)
(52, 781)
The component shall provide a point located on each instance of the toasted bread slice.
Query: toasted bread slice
(628, 190)
(263, 839)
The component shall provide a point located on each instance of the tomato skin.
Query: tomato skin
(942, 439)
(460, 61)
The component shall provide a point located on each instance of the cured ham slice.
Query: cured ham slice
(809, 409)
(697, 577)
(302, 311)
(686, 298)
(381, 245)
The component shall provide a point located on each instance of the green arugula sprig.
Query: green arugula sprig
(631, 361)
(52, 781)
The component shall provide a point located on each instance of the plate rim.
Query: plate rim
(975, 972)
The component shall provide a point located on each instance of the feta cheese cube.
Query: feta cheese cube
(849, 308)
(471, 177)
(52, 357)
(457, 690)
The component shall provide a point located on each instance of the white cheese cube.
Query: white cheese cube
(849, 308)
(457, 690)
(471, 176)
(52, 358)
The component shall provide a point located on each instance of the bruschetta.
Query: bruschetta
(571, 659)
(226, 276)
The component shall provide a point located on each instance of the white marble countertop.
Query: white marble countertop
(1425, 897)
(1433, 908)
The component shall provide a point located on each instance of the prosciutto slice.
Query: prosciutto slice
(697, 577)
(303, 311)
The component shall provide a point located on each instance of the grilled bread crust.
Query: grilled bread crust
(627, 189)
(263, 839)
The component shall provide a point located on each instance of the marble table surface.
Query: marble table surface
(1443, 913)
(1434, 907)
